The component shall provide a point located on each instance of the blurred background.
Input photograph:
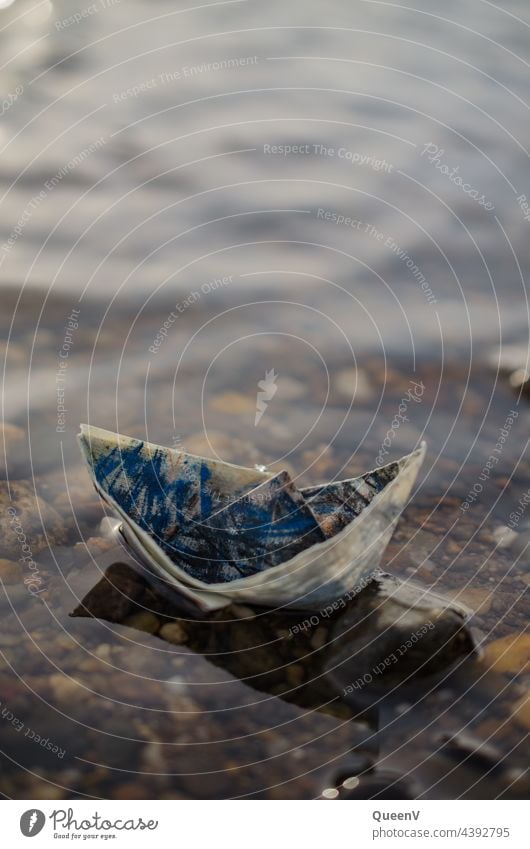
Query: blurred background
(195, 197)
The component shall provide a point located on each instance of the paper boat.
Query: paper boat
(218, 533)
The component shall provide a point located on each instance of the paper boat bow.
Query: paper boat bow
(219, 533)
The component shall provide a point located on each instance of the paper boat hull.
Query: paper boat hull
(321, 573)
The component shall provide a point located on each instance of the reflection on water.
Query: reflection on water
(148, 152)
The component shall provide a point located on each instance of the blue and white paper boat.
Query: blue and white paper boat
(219, 533)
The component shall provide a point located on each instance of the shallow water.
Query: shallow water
(180, 211)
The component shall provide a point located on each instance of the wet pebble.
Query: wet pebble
(353, 384)
(35, 524)
(65, 689)
(509, 654)
(143, 621)
(173, 632)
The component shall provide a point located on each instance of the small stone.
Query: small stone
(103, 651)
(233, 403)
(353, 384)
(330, 793)
(10, 572)
(508, 538)
(66, 689)
(519, 378)
(143, 621)
(241, 611)
(504, 536)
(173, 632)
(509, 654)
(30, 525)
(295, 675)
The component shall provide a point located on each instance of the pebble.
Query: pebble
(66, 689)
(510, 654)
(173, 632)
(143, 621)
(33, 517)
(233, 403)
(241, 611)
(103, 651)
(508, 538)
(353, 384)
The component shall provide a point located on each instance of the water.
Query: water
(124, 208)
